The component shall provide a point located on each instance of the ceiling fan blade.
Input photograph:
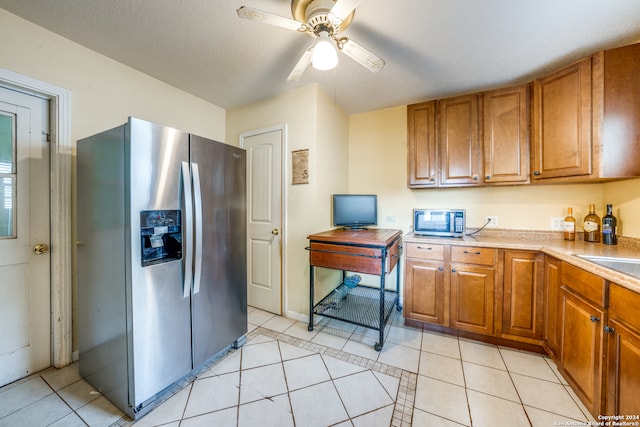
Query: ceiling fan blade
(270, 18)
(342, 9)
(361, 55)
(301, 66)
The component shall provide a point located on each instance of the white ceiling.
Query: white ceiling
(432, 48)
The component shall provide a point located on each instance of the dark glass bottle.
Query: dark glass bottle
(609, 228)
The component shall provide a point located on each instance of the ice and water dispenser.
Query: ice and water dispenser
(161, 236)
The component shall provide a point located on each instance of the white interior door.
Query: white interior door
(264, 228)
(25, 305)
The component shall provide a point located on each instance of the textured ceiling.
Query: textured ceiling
(432, 48)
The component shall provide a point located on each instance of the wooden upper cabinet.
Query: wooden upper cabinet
(621, 113)
(582, 125)
(562, 123)
(421, 135)
(506, 135)
(460, 150)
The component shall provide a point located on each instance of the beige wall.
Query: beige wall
(378, 164)
(104, 92)
(313, 122)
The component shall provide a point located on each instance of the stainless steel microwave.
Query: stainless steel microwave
(439, 222)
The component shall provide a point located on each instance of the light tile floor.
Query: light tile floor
(287, 376)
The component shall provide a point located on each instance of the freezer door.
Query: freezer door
(159, 313)
(219, 302)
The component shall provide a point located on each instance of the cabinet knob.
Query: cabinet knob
(476, 177)
(440, 268)
(488, 177)
(609, 329)
(432, 179)
(536, 173)
(594, 319)
(453, 270)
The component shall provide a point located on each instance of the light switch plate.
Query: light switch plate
(557, 223)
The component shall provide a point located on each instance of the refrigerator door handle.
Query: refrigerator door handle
(188, 244)
(198, 232)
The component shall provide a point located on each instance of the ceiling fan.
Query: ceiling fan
(322, 20)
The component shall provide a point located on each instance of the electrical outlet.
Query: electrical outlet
(391, 218)
(557, 223)
(493, 221)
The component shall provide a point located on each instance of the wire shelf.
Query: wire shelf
(360, 305)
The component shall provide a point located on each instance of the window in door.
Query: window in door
(7, 176)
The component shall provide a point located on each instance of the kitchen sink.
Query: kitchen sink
(629, 266)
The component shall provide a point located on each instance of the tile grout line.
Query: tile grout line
(400, 409)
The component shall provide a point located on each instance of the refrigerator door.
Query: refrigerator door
(159, 317)
(219, 301)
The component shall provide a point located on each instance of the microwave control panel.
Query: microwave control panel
(458, 222)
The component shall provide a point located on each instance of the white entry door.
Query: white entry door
(264, 228)
(25, 280)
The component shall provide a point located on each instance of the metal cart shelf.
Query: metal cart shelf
(372, 251)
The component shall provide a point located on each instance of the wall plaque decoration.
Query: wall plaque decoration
(300, 169)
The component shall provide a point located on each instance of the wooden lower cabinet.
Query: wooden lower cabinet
(590, 327)
(551, 306)
(623, 352)
(472, 298)
(623, 370)
(425, 291)
(581, 350)
(522, 298)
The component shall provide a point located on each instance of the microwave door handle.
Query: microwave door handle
(188, 235)
(197, 206)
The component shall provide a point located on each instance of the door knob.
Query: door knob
(40, 249)
(275, 231)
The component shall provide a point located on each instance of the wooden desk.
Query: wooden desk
(370, 251)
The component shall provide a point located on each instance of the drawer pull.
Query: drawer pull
(609, 329)
(472, 253)
(594, 319)
(422, 247)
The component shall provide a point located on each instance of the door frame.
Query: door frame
(283, 201)
(60, 154)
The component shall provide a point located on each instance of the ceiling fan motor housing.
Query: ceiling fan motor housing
(315, 13)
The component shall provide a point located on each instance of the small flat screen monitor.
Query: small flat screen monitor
(355, 210)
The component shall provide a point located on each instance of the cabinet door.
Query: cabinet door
(460, 154)
(620, 153)
(472, 298)
(421, 138)
(424, 297)
(581, 348)
(506, 135)
(551, 305)
(623, 375)
(522, 305)
(562, 123)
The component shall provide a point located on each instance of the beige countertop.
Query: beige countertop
(550, 244)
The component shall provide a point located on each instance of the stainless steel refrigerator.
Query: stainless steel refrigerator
(161, 258)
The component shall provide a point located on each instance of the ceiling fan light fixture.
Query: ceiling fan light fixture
(324, 55)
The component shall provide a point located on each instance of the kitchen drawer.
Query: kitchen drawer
(473, 255)
(349, 258)
(584, 283)
(425, 251)
(623, 305)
